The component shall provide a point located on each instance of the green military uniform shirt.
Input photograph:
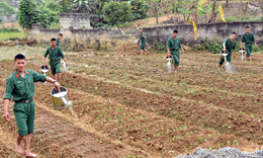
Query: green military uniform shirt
(248, 39)
(54, 54)
(22, 88)
(57, 42)
(174, 45)
(143, 41)
(229, 47)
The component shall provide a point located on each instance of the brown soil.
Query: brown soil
(58, 137)
(11, 24)
(129, 48)
(7, 152)
(132, 103)
(18, 42)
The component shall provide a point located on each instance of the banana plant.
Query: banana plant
(80, 5)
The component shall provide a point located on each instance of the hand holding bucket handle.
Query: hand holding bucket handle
(57, 86)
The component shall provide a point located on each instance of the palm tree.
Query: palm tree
(80, 6)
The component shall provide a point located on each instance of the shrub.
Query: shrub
(199, 47)
(48, 17)
(55, 26)
(28, 13)
(139, 9)
(117, 12)
(213, 47)
(9, 30)
(6, 9)
(159, 47)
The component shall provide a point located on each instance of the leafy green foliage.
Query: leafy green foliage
(48, 17)
(8, 30)
(213, 47)
(161, 48)
(28, 13)
(55, 26)
(62, 7)
(82, 6)
(199, 47)
(6, 9)
(139, 9)
(117, 12)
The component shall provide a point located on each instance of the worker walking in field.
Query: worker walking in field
(173, 49)
(248, 38)
(55, 55)
(142, 39)
(60, 36)
(20, 85)
(229, 44)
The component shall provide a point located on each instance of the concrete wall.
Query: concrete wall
(82, 38)
(113, 37)
(214, 32)
(75, 20)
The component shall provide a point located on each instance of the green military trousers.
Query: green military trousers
(55, 67)
(228, 58)
(176, 57)
(248, 49)
(25, 116)
(142, 46)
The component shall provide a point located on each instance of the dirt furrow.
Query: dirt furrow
(231, 122)
(57, 137)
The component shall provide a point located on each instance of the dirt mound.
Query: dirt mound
(18, 42)
(129, 48)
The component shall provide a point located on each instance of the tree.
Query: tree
(28, 13)
(155, 6)
(193, 9)
(6, 9)
(48, 16)
(227, 3)
(139, 9)
(117, 12)
(80, 6)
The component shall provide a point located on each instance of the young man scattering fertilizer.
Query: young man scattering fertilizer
(142, 38)
(173, 49)
(20, 85)
(229, 44)
(248, 38)
(55, 55)
(60, 36)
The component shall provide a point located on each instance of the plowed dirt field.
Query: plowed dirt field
(129, 106)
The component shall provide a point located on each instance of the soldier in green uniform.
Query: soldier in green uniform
(229, 44)
(248, 38)
(20, 85)
(55, 55)
(60, 36)
(173, 49)
(142, 38)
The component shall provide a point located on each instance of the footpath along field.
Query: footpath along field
(129, 106)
